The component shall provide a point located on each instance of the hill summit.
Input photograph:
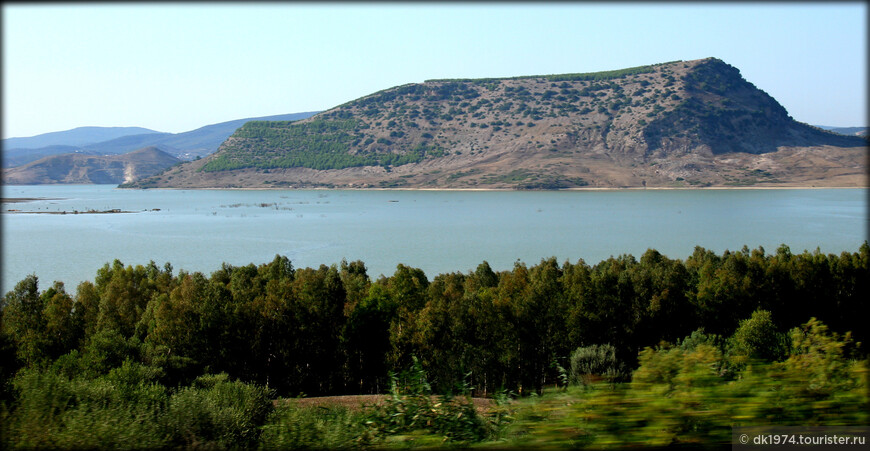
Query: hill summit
(683, 123)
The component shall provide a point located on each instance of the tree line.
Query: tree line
(654, 351)
(334, 330)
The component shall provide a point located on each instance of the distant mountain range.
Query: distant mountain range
(82, 168)
(678, 124)
(119, 140)
(78, 137)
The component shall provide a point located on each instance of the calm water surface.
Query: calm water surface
(438, 231)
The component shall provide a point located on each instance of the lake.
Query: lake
(437, 231)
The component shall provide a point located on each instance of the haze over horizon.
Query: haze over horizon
(174, 68)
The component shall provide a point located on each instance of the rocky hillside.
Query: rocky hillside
(684, 123)
(80, 168)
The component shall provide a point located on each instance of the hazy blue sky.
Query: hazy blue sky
(174, 68)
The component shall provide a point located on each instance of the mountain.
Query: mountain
(76, 137)
(683, 123)
(82, 168)
(186, 145)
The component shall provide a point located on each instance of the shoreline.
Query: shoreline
(651, 188)
(14, 200)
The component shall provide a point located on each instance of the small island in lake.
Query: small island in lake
(90, 211)
(73, 212)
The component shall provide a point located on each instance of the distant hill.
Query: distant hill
(18, 157)
(850, 131)
(191, 144)
(80, 136)
(186, 145)
(683, 123)
(82, 168)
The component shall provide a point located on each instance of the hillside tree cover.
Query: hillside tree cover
(319, 144)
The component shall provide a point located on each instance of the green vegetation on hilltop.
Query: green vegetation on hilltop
(587, 76)
(414, 92)
(318, 144)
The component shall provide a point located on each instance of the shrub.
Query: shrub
(596, 360)
(217, 412)
(113, 412)
(292, 427)
(412, 410)
(699, 337)
(757, 338)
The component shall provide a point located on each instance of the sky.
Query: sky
(177, 67)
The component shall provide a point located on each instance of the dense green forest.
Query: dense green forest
(627, 351)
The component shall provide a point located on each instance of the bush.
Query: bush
(112, 412)
(411, 410)
(699, 337)
(217, 412)
(314, 428)
(757, 338)
(591, 362)
(124, 410)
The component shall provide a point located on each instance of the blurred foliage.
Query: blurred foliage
(318, 427)
(126, 410)
(412, 411)
(680, 396)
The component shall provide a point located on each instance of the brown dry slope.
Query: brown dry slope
(81, 168)
(679, 124)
